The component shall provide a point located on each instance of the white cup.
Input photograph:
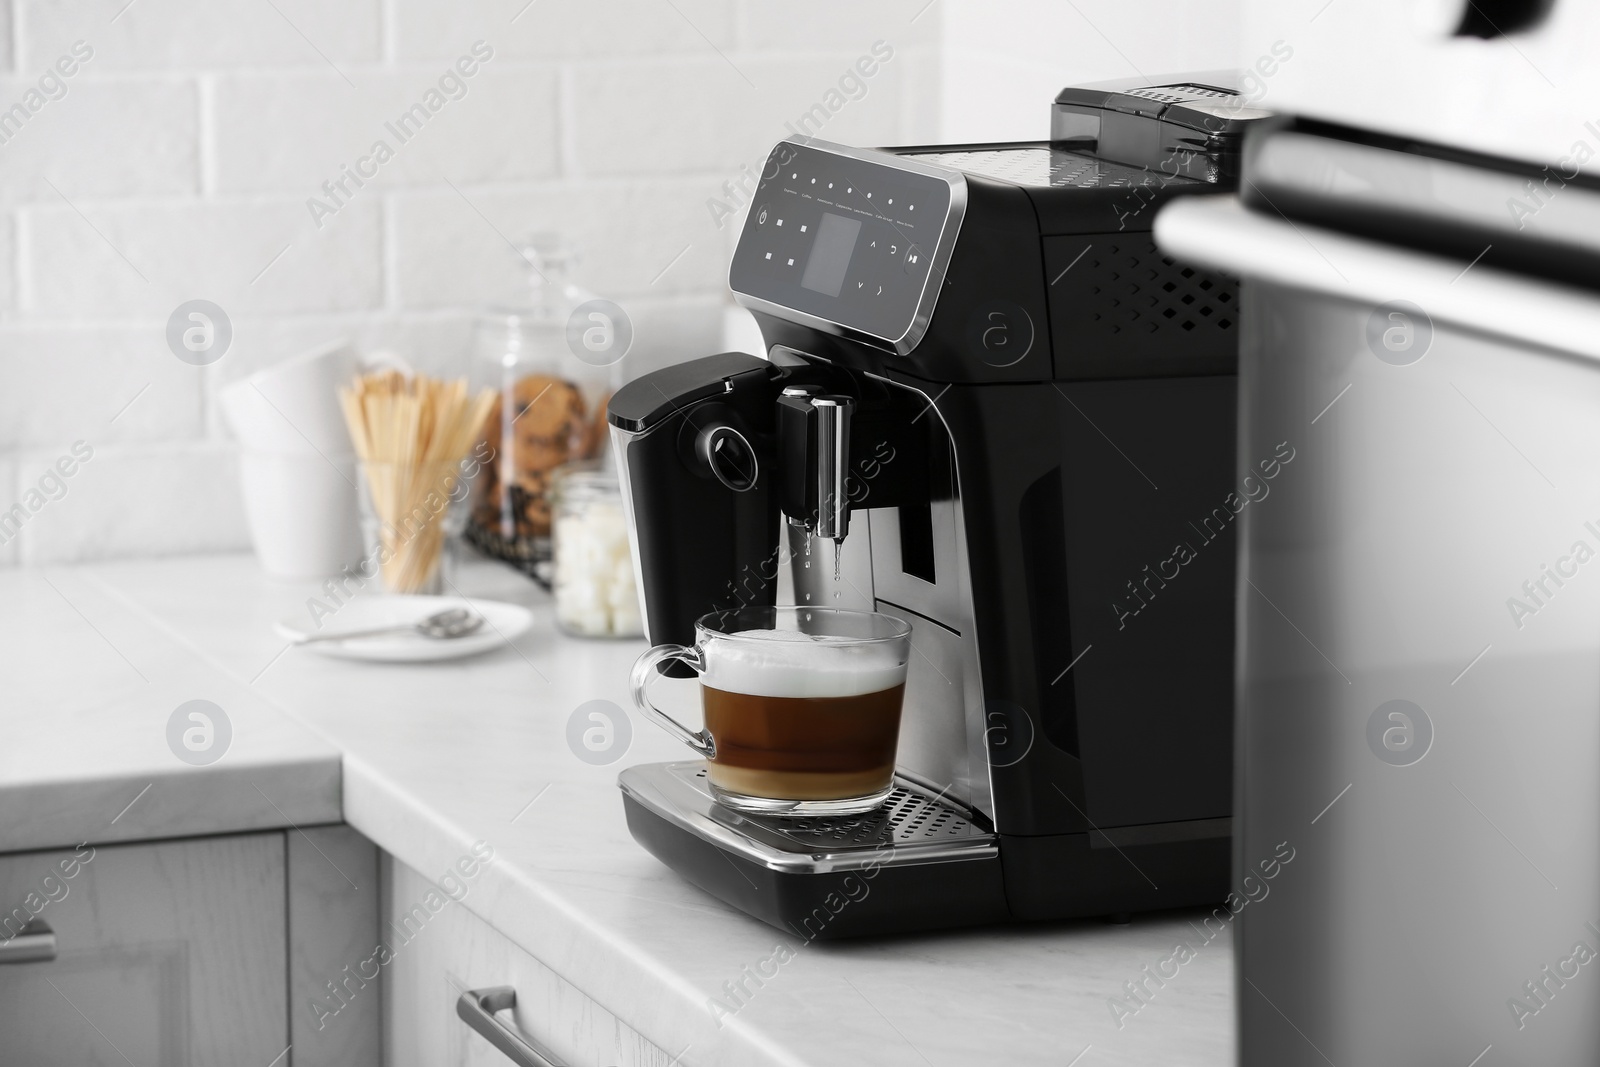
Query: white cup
(292, 408)
(302, 511)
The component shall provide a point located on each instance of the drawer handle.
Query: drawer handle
(477, 1008)
(34, 943)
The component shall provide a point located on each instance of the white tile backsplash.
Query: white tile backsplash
(133, 259)
(181, 160)
(562, 29)
(452, 247)
(832, 24)
(213, 35)
(136, 500)
(337, 131)
(723, 119)
(147, 127)
(8, 257)
(1004, 60)
(709, 130)
(101, 385)
(10, 539)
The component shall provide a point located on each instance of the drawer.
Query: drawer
(440, 954)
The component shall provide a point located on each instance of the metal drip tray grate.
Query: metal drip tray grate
(911, 827)
(906, 818)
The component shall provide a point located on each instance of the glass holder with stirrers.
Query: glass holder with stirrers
(412, 435)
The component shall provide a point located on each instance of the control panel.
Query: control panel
(848, 240)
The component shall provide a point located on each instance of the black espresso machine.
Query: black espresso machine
(1035, 468)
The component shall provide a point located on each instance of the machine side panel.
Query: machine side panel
(1131, 465)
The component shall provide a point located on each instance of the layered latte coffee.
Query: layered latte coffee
(802, 717)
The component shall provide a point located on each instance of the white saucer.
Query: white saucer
(503, 623)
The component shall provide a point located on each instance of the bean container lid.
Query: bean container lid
(1188, 126)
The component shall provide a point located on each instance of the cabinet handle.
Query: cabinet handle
(477, 1009)
(34, 943)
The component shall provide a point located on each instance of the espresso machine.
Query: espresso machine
(990, 407)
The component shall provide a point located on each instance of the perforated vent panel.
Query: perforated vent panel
(1118, 304)
(1142, 290)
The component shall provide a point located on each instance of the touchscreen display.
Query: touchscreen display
(830, 255)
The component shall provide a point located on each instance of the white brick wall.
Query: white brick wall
(546, 30)
(172, 38)
(331, 125)
(1002, 57)
(149, 128)
(178, 162)
(133, 397)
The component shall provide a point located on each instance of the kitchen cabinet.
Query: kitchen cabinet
(437, 955)
(168, 953)
(201, 951)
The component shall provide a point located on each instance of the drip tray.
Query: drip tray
(912, 827)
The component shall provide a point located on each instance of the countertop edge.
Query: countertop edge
(675, 1020)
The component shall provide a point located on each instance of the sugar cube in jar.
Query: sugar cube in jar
(593, 580)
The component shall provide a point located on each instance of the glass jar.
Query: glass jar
(551, 409)
(593, 580)
(410, 548)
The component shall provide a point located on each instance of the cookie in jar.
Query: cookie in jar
(542, 423)
(551, 409)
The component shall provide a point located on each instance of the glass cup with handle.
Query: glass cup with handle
(802, 706)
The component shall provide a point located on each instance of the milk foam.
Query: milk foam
(787, 663)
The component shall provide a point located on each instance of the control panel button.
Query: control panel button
(815, 242)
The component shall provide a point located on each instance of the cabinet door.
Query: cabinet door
(169, 954)
(333, 925)
(438, 955)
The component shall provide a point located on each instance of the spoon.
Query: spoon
(440, 626)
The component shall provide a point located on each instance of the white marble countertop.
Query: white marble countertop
(437, 757)
(87, 686)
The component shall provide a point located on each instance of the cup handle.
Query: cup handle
(644, 669)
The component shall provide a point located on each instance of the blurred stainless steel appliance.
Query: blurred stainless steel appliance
(1514, 78)
(1003, 409)
(1419, 628)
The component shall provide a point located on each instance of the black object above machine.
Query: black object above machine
(1012, 418)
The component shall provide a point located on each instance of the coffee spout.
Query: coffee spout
(833, 465)
(814, 446)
